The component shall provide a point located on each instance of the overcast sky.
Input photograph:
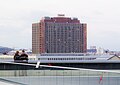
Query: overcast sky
(102, 18)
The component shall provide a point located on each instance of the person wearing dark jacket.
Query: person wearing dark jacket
(24, 56)
(17, 56)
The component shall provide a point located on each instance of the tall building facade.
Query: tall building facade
(59, 35)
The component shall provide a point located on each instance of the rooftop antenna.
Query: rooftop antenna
(61, 15)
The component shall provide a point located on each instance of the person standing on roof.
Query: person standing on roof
(24, 56)
(17, 56)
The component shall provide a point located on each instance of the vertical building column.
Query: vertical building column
(85, 38)
(42, 37)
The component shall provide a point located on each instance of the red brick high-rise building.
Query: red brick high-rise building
(59, 35)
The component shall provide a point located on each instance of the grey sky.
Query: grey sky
(102, 18)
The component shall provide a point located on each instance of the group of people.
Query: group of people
(20, 57)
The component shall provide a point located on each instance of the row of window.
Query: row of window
(63, 30)
(62, 27)
(66, 58)
(64, 54)
(63, 24)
